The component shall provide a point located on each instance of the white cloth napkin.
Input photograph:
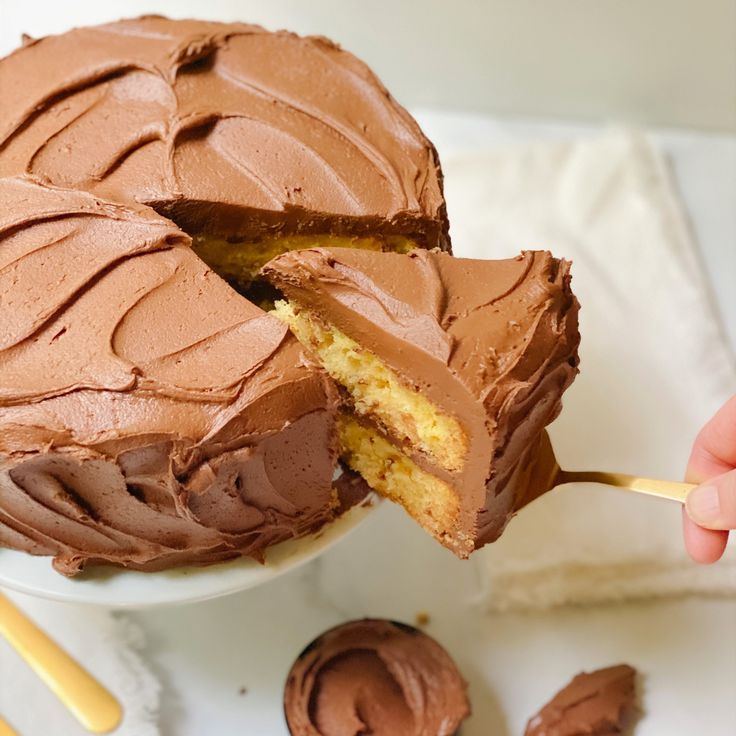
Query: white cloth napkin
(108, 645)
(654, 363)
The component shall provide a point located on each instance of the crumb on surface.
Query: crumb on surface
(422, 618)
(242, 690)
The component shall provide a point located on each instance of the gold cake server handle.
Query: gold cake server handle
(91, 703)
(547, 474)
(670, 489)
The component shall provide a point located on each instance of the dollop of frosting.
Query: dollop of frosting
(267, 130)
(492, 343)
(149, 415)
(600, 703)
(378, 677)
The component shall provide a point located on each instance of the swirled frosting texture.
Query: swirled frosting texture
(149, 415)
(492, 343)
(376, 677)
(267, 131)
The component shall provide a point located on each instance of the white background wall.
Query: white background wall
(667, 62)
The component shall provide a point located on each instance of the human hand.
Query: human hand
(710, 509)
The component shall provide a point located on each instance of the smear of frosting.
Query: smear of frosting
(600, 703)
(492, 343)
(376, 677)
(271, 130)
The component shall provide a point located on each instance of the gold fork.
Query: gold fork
(546, 474)
(92, 704)
(5, 729)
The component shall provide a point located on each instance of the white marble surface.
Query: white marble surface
(205, 653)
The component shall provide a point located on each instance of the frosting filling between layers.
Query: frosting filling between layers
(432, 501)
(378, 393)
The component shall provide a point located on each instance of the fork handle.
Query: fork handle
(5, 729)
(672, 490)
(93, 706)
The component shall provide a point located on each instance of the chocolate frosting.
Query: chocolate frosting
(599, 703)
(224, 127)
(493, 343)
(377, 677)
(149, 415)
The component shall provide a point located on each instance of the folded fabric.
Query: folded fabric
(108, 645)
(654, 363)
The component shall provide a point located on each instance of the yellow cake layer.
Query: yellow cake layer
(392, 474)
(241, 261)
(377, 392)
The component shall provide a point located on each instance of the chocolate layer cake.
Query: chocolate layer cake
(375, 677)
(449, 368)
(253, 142)
(149, 415)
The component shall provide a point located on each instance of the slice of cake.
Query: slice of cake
(449, 369)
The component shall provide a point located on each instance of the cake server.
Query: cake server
(90, 703)
(549, 474)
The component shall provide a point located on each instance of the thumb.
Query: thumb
(713, 504)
